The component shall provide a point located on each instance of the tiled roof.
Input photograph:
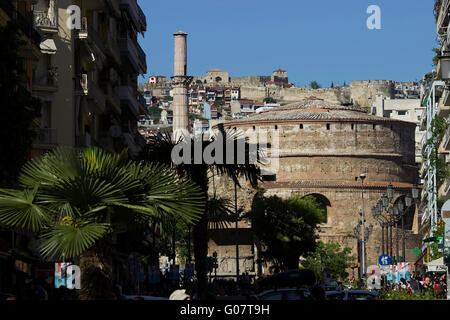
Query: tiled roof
(313, 109)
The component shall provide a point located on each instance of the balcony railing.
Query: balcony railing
(128, 95)
(46, 136)
(136, 14)
(25, 23)
(130, 49)
(43, 21)
(446, 140)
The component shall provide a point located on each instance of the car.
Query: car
(286, 294)
(291, 278)
(352, 294)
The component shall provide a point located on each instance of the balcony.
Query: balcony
(443, 108)
(445, 143)
(45, 137)
(130, 49)
(112, 98)
(142, 103)
(96, 94)
(46, 23)
(112, 48)
(443, 18)
(136, 14)
(128, 96)
(46, 82)
(115, 6)
(444, 191)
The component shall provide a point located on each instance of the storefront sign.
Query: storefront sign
(67, 275)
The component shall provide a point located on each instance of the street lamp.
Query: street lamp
(362, 176)
(390, 192)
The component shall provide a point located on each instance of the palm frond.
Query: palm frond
(220, 213)
(66, 241)
(19, 209)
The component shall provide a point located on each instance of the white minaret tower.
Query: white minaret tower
(180, 83)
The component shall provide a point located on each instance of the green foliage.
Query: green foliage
(437, 53)
(75, 199)
(439, 231)
(330, 257)
(286, 228)
(405, 295)
(270, 100)
(315, 85)
(18, 108)
(155, 113)
(168, 98)
(439, 126)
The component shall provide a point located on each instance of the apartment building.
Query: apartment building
(87, 77)
(436, 98)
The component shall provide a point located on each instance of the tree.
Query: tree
(330, 257)
(315, 85)
(270, 100)
(155, 113)
(76, 201)
(287, 229)
(160, 150)
(18, 108)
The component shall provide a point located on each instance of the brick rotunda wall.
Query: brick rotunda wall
(324, 157)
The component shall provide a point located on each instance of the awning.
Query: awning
(48, 46)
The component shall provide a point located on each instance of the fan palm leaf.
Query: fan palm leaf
(18, 209)
(68, 240)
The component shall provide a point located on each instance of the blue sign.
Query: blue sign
(384, 260)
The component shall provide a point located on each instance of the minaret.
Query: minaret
(180, 83)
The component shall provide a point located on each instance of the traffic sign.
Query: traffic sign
(384, 260)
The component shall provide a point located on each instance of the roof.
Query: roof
(314, 109)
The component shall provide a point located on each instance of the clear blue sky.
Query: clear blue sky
(322, 40)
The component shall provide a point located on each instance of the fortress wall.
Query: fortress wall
(364, 92)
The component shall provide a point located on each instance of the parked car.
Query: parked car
(286, 294)
(291, 278)
(352, 295)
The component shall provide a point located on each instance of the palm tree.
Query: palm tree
(75, 201)
(216, 212)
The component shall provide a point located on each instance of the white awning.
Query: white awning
(48, 46)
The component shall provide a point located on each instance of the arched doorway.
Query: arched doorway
(323, 202)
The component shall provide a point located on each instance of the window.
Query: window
(276, 127)
(328, 126)
(353, 126)
(301, 126)
(402, 113)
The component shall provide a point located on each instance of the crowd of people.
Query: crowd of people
(433, 283)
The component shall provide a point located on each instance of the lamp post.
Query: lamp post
(391, 224)
(362, 176)
(236, 232)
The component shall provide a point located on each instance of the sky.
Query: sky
(314, 40)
